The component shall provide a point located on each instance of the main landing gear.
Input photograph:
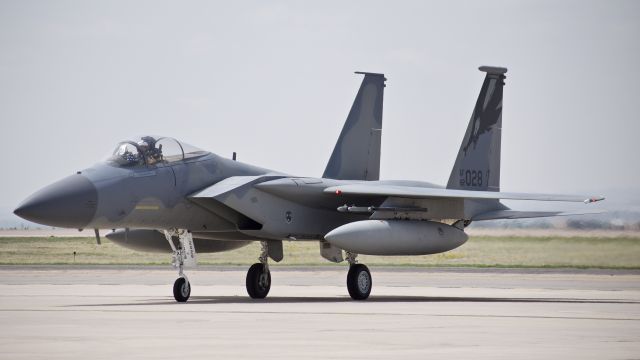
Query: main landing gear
(359, 281)
(259, 277)
(258, 281)
(183, 256)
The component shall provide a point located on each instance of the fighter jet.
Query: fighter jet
(163, 195)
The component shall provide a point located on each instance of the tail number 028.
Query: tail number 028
(470, 177)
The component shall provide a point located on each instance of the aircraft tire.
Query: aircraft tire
(181, 290)
(257, 285)
(359, 282)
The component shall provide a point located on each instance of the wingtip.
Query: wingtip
(594, 199)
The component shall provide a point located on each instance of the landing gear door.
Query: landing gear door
(188, 251)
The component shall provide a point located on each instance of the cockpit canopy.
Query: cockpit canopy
(153, 150)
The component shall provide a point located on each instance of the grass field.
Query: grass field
(483, 251)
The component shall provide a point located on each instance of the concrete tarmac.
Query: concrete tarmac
(113, 312)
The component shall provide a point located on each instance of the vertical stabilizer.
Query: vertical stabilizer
(477, 166)
(356, 155)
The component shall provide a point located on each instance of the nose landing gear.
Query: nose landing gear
(183, 256)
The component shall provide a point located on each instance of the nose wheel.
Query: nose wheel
(181, 289)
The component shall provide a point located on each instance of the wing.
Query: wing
(425, 193)
(514, 214)
(219, 199)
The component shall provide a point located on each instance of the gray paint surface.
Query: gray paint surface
(477, 166)
(396, 237)
(356, 155)
(155, 241)
(218, 199)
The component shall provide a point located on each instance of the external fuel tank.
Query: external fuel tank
(396, 237)
(155, 241)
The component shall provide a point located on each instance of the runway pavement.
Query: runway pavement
(107, 313)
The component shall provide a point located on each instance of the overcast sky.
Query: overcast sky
(274, 81)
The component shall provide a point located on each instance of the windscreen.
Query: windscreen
(152, 150)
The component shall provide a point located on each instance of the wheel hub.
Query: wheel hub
(364, 281)
(263, 281)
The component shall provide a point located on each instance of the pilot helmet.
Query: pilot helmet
(143, 145)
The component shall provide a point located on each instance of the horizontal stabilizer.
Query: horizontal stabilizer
(422, 193)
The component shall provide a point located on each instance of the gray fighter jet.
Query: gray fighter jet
(167, 196)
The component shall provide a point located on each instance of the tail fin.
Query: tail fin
(356, 155)
(477, 166)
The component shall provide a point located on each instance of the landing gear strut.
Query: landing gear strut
(183, 256)
(259, 277)
(359, 281)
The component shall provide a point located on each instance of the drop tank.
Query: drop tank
(396, 237)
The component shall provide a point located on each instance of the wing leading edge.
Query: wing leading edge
(422, 193)
(515, 214)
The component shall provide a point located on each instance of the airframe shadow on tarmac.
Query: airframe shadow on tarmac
(345, 299)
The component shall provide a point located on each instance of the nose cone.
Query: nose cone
(70, 203)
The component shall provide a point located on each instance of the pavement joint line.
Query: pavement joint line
(323, 313)
(411, 299)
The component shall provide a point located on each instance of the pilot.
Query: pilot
(143, 147)
(149, 151)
